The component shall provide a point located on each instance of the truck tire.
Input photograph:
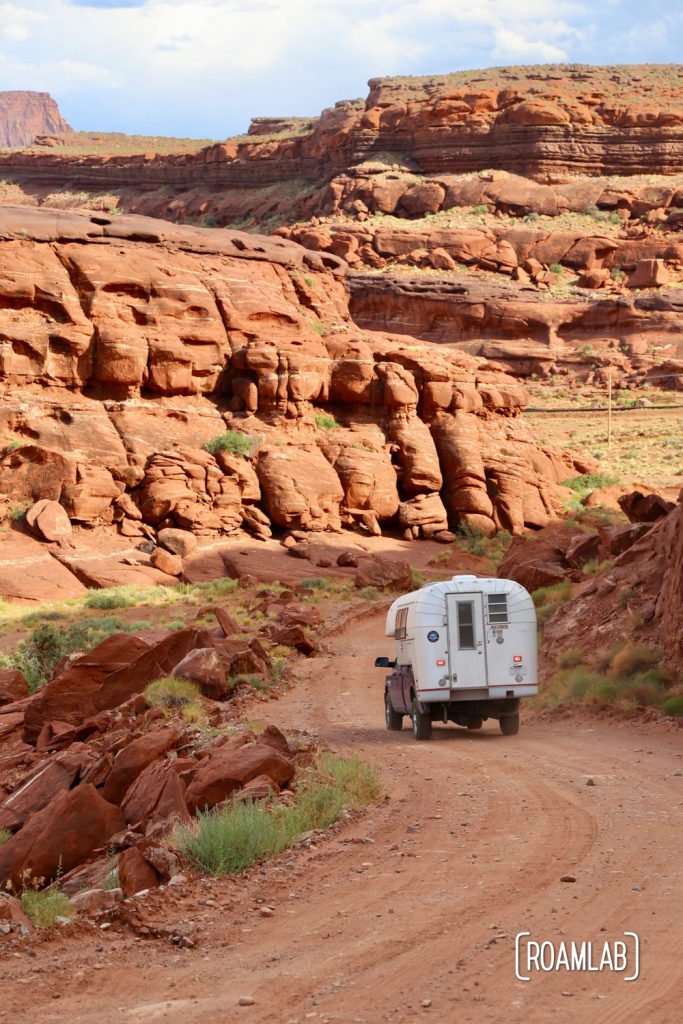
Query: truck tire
(393, 719)
(422, 723)
(509, 724)
(475, 723)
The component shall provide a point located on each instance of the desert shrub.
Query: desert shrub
(37, 656)
(570, 658)
(17, 512)
(418, 579)
(325, 422)
(228, 840)
(176, 695)
(234, 442)
(369, 593)
(645, 688)
(44, 906)
(481, 208)
(548, 599)
(633, 659)
(5, 836)
(555, 268)
(673, 705)
(317, 583)
(587, 482)
(108, 598)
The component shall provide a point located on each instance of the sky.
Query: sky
(203, 68)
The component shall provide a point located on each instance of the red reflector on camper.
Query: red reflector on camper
(517, 659)
(440, 662)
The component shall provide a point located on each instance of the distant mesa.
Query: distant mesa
(24, 115)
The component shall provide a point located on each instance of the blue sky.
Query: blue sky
(203, 67)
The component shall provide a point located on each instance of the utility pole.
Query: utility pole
(609, 409)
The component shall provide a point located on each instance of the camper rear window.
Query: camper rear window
(466, 626)
(498, 608)
(400, 628)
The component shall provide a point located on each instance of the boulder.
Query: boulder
(301, 489)
(13, 686)
(618, 539)
(209, 668)
(39, 787)
(49, 520)
(62, 835)
(135, 873)
(157, 797)
(649, 274)
(227, 769)
(638, 508)
(179, 542)
(374, 571)
(583, 549)
(167, 562)
(134, 758)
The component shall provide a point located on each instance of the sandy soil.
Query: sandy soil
(420, 897)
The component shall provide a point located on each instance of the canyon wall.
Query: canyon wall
(25, 115)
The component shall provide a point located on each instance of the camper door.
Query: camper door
(466, 647)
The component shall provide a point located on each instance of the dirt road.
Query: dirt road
(419, 899)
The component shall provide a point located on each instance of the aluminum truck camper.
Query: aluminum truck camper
(465, 652)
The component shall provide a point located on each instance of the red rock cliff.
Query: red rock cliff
(24, 115)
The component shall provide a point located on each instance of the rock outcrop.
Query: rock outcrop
(25, 115)
(139, 342)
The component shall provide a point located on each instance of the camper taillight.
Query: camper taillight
(517, 658)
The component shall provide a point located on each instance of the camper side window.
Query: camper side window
(400, 628)
(466, 626)
(498, 608)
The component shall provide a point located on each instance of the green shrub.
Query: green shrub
(317, 583)
(673, 705)
(633, 659)
(645, 688)
(230, 839)
(587, 482)
(418, 579)
(5, 836)
(44, 906)
(17, 512)
(179, 695)
(234, 442)
(109, 597)
(548, 599)
(481, 208)
(570, 658)
(325, 422)
(556, 268)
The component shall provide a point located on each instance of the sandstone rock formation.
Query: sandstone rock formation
(139, 342)
(24, 115)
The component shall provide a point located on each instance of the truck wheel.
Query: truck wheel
(475, 723)
(393, 719)
(509, 724)
(422, 723)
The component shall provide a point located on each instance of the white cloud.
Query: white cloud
(205, 67)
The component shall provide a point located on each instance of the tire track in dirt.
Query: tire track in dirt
(421, 897)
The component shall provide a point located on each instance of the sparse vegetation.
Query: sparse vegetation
(548, 599)
(44, 906)
(38, 655)
(324, 421)
(625, 675)
(5, 836)
(234, 442)
(228, 840)
(176, 695)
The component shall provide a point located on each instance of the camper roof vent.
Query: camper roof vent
(463, 579)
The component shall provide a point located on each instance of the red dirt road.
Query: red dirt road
(421, 897)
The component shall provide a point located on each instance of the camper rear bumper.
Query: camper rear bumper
(481, 693)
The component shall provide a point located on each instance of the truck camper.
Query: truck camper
(465, 652)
